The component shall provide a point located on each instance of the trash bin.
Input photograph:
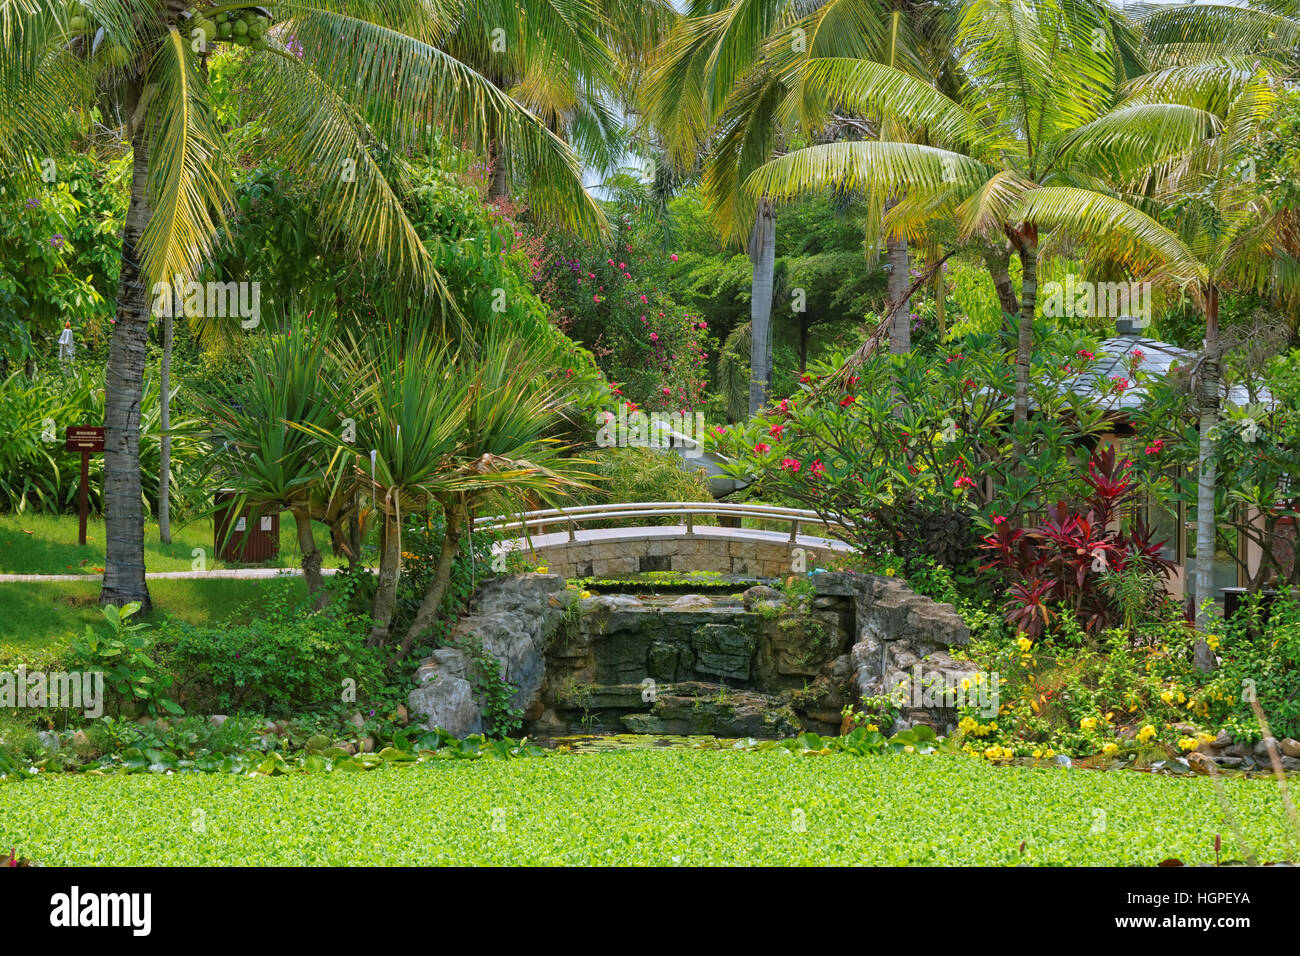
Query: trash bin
(255, 538)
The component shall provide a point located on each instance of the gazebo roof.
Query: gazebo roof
(1113, 360)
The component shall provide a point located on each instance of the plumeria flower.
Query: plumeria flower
(762, 449)
(790, 465)
(846, 401)
(673, 257)
(965, 481)
(817, 468)
(775, 431)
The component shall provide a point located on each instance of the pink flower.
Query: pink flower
(622, 266)
(667, 390)
(816, 468)
(775, 431)
(1120, 381)
(654, 336)
(719, 430)
(790, 465)
(1084, 354)
(999, 519)
(965, 481)
(762, 449)
(644, 300)
(1138, 355)
(673, 257)
(1157, 447)
(595, 298)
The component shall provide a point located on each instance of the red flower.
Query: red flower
(846, 401)
(790, 465)
(999, 519)
(965, 481)
(817, 468)
(775, 431)
(762, 449)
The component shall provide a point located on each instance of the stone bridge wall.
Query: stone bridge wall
(708, 549)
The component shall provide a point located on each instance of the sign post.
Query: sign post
(86, 439)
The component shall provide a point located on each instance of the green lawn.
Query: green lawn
(47, 544)
(641, 807)
(45, 614)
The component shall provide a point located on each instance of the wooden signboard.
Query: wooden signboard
(86, 439)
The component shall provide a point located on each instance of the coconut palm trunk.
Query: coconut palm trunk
(762, 251)
(457, 520)
(1208, 400)
(997, 260)
(124, 571)
(165, 440)
(1025, 332)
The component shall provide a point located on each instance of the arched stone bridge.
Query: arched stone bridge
(555, 537)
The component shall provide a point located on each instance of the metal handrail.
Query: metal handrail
(653, 509)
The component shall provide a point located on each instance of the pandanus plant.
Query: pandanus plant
(267, 453)
(443, 428)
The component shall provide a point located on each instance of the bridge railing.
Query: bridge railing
(686, 510)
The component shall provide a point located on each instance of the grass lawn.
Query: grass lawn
(41, 615)
(47, 544)
(642, 807)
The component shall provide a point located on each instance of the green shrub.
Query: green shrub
(289, 658)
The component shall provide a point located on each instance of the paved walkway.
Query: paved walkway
(238, 573)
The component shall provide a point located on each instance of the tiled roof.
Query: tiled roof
(1113, 359)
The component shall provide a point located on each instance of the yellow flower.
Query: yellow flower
(585, 594)
(541, 569)
(1187, 743)
(1109, 749)
(1037, 753)
(1204, 738)
(1212, 642)
(1146, 733)
(872, 727)
(1049, 753)
(1088, 723)
(889, 572)
(1167, 696)
(1024, 643)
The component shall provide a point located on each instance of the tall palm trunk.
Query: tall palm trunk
(1025, 332)
(1208, 400)
(124, 579)
(899, 303)
(165, 440)
(762, 252)
(456, 518)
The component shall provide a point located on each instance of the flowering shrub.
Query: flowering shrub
(911, 452)
(610, 300)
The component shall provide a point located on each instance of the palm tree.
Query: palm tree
(1005, 156)
(341, 92)
(1228, 227)
(731, 77)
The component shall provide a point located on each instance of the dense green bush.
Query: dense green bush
(289, 659)
(640, 474)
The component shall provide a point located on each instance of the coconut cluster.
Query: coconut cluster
(246, 27)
